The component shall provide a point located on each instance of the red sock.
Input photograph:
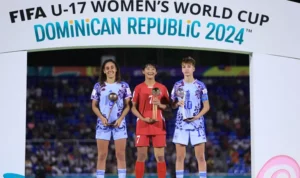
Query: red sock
(161, 169)
(139, 169)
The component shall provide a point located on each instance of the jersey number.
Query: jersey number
(188, 105)
(150, 98)
(138, 138)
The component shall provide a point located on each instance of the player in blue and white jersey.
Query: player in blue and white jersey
(194, 105)
(111, 115)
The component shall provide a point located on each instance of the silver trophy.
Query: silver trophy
(113, 97)
(181, 94)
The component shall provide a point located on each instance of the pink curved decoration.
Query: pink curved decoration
(281, 171)
(279, 160)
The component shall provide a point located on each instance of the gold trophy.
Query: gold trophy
(182, 95)
(113, 97)
(155, 94)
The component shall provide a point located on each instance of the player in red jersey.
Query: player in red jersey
(143, 104)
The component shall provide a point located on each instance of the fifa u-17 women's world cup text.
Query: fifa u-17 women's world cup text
(139, 17)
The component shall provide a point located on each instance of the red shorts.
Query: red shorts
(144, 140)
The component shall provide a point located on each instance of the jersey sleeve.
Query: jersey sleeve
(204, 93)
(95, 93)
(128, 93)
(135, 96)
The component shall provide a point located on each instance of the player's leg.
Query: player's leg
(198, 139)
(103, 135)
(159, 144)
(121, 156)
(199, 153)
(142, 144)
(180, 157)
(181, 140)
(120, 137)
(102, 148)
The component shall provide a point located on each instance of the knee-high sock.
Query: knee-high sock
(161, 169)
(139, 169)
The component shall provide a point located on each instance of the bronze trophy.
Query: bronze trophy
(113, 97)
(155, 94)
(181, 94)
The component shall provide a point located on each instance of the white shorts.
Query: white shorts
(105, 133)
(183, 136)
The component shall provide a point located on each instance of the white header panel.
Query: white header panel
(235, 25)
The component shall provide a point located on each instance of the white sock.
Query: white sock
(179, 174)
(202, 175)
(122, 173)
(100, 173)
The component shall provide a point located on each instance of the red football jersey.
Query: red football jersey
(142, 96)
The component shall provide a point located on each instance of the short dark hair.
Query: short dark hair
(103, 78)
(189, 60)
(150, 64)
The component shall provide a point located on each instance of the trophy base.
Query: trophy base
(187, 119)
(111, 124)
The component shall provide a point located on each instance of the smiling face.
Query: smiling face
(110, 70)
(150, 71)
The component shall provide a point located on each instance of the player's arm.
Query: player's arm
(96, 109)
(175, 104)
(135, 99)
(165, 101)
(124, 112)
(95, 96)
(204, 110)
(136, 112)
(167, 111)
(126, 102)
(174, 101)
(205, 102)
(161, 104)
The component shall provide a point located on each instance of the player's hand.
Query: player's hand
(148, 120)
(180, 103)
(104, 121)
(118, 122)
(193, 119)
(156, 101)
(153, 121)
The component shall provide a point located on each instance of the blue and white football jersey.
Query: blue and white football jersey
(195, 95)
(100, 93)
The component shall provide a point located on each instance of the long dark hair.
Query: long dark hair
(102, 76)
